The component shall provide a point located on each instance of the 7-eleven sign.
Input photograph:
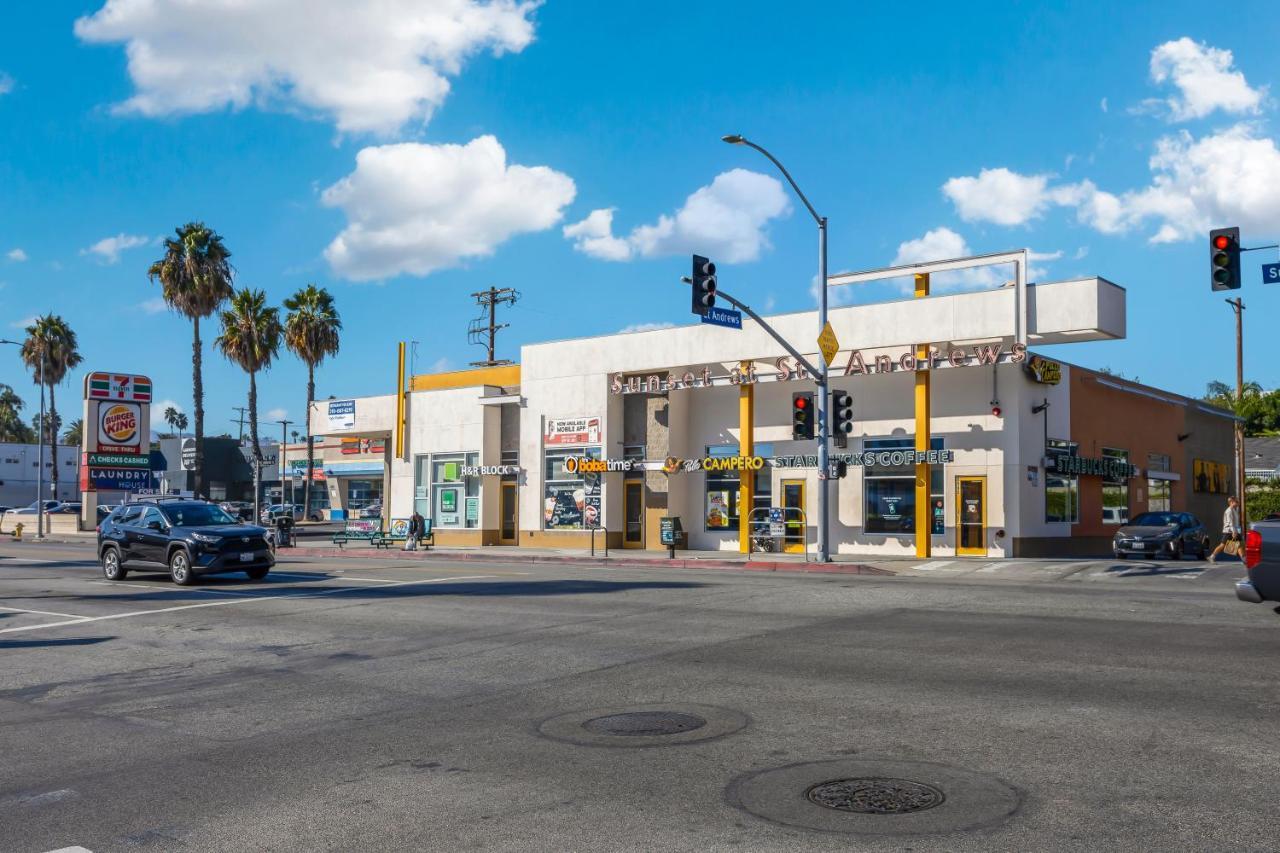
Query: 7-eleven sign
(117, 386)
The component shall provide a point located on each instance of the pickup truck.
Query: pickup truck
(1262, 559)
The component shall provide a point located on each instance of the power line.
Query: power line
(483, 331)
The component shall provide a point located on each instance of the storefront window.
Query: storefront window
(890, 491)
(721, 510)
(362, 493)
(442, 494)
(1115, 493)
(570, 501)
(1159, 496)
(1061, 492)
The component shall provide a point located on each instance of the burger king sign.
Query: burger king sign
(119, 427)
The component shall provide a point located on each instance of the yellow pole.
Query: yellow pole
(746, 447)
(924, 524)
(400, 403)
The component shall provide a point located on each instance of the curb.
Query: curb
(628, 562)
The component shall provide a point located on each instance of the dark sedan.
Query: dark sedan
(1162, 534)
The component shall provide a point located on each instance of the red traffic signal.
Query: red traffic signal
(1222, 241)
(1224, 258)
(801, 402)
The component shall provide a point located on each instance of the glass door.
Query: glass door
(507, 515)
(633, 513)
(793, 540)
(971, 520)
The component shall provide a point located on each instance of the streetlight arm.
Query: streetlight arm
(785, 174)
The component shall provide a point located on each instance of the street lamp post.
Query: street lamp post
(40, 465)
(280, 463)
(824, 550)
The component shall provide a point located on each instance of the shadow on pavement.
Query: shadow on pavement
(1138, 570)
(35, 644)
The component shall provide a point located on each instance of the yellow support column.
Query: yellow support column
(746, 447)
(924, 525)
(399, 443)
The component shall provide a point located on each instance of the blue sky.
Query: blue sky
(408, 157)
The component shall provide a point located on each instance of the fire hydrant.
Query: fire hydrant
(17, 532)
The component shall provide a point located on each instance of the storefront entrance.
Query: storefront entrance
(793, 541)
(971, 516)
(633, 514)
(508, 515)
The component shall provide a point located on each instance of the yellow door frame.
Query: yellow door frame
(981, 480)
(793, 547)
(514, 497)
(627, 487)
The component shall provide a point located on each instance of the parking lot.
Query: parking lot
(390, 704)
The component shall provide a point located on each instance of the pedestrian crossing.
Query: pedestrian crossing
(1077, 571)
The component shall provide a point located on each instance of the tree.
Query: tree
(250, 338)
(49, 351)
(312, 331)
(46, 428)
(1259, 409)
(181, 422)
(12, 427)
(74, 434)
(195, 278)
(171, 417)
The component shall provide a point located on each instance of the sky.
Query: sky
(407, 153)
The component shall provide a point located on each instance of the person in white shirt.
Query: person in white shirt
(1230, 527)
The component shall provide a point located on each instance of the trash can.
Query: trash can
(284, 531)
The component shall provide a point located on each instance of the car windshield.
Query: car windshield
(1155, 519)
(196, 515)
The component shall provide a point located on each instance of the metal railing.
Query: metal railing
(762, 537)
(593, 539)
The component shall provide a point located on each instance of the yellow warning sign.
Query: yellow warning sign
(828, 344)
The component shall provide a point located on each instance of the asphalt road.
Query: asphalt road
(385, 705)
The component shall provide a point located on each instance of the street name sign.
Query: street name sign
(1271, 273)
(723, 317)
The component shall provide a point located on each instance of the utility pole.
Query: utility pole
(1237, 305)
(241, 410)
(280, 466)
(483, 331)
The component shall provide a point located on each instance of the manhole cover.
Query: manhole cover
(875, 796)
(641, 723)
(668, 724)
(870, 796)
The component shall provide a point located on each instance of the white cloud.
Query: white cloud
(645, 327)
(941, 244)
(725, 220)
(16, 255)
(415, 208)
(1205, 81)
(23, 323)
(278, 415)
(372, 67)
(108, 249)
(6, 83)
(999, 196)
(443, 364)
(158, 422)
(1103, 104)
(156, 305)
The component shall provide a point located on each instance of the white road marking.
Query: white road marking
(9, 561)
(42, 799)
(86, 619)
(41, 612)
(76, 849)
(929, 567)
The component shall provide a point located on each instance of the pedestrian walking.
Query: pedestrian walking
(411, 535)
(1230, 530)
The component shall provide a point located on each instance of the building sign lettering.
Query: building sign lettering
(487, 470)
(342, 414)
(876, 457)
(584, 465)
(1043, 370)
(1113, 469)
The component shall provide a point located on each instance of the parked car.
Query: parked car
(269, 513)
(105, 510)
(187, 538)
(1262, 561)
(1162, 534)
(50, 506)
(68, 509)
(373, 510)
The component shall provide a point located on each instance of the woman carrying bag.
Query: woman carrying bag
(1230, 530)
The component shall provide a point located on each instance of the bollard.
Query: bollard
(17, 532)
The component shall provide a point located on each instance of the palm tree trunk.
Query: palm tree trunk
(197, 391)
(53, 443)
(257, 449)
(311, 447)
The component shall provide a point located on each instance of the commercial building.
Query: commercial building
(1026, 455)
(347, 477)
(20, 473)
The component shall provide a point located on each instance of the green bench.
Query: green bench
(359, 530)
(400, 532)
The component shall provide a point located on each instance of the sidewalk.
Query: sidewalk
(843, 564)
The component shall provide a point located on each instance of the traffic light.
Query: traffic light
(841, 417)
(1224, 258)
(802, 415)
(704, 285)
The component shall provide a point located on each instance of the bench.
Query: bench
(358, 530)
(400, 532)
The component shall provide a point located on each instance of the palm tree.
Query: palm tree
(195, 278)
(12, 427)
(49, 351)
(251, 338)
(181, 423)
(311, 331)
(171, 417)
(74, 434)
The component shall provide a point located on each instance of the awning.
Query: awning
(353, 469)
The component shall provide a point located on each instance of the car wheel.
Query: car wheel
(1120, 555)
(180, 568)
(1175, 551)
(112, 568)
(1202, 551)
(258, 573)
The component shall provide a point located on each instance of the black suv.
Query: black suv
(187, 537)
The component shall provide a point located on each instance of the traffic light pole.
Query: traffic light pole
(824, 422)
(1237, 305)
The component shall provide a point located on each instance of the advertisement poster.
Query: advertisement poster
(939, 520)
(119, 479)
(119, 428)
(448, 500)
(572, 431)
(342, 414)
(717, 509)
(472, 514)
(891, 508)
(1211, 477)
(357, 446)
(572, 506)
